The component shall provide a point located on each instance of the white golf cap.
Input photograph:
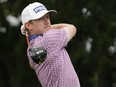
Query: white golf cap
(33, 11)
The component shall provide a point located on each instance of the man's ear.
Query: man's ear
(28, 26)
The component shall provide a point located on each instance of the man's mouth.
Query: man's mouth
(47, 27)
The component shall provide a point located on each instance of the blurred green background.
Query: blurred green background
(92, 50)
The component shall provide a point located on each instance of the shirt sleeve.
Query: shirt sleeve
(55, 39)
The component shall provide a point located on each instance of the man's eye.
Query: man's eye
(47, 16)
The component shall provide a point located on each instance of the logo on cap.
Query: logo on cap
(39, 8)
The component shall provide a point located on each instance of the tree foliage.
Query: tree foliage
(92, 50)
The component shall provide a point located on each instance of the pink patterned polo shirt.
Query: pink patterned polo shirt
(57, 69)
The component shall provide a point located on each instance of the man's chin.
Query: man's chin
(48, 28)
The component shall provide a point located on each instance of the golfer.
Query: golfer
(56, 69)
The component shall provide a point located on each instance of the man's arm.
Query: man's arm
(69, 28)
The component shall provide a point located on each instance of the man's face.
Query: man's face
(39, 26)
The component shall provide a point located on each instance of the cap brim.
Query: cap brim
(52, 12)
